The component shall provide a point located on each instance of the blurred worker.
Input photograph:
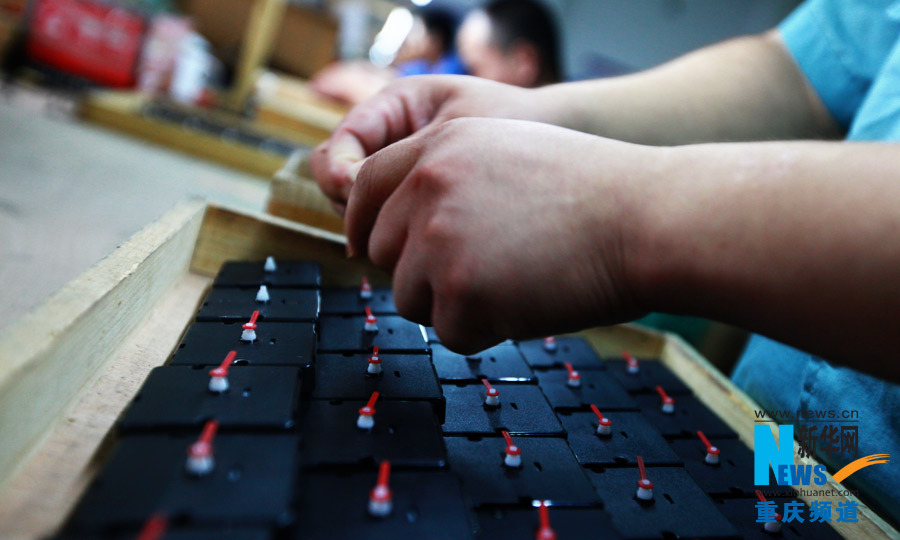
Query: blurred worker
(428, 49)
(511, 41)
(579, 204)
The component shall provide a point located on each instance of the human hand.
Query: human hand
(402, 109)
(499, 229)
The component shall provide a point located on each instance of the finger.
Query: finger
(412, 289)
(379, 176)
(389, 233)
(395, 113)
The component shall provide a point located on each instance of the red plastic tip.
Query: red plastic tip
(709, 447)
(572, 373)
(550, 340)
(374, 358)
(222, 370)
(545, 532)
(604, 421)
(644, 482)
(630, 360)
(369, 409)
(491, 391)
(370, 318)
(154, 528)
(778, 516)
(382, 491)
(203, 445)
(511, 447)
(365, 283)
(251, 324)
(662, 393)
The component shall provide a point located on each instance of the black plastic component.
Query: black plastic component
(548, 471)
(425, 505)
(237, 304)
(523, 410)
(288, 274)
(251, 483)
(650, 374)
(348, 302)
(347, 334)
(630, 436)
(174, 532)
(731, 477)
(690, 415)
(597, 388)
(679, 508)
(574, 350)
(432, 335)
(277, 344)
(500, 363)
(403, 377)
(406, 432)
(523, 523)
(742, 514)
(178, 396)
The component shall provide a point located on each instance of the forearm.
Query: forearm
(740, 90)
(798, 241)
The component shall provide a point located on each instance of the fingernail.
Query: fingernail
(353, 170)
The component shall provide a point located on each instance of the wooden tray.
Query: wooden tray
(69, 368)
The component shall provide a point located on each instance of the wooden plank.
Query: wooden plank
(301, 200)
(48, 357)
(113, 114)
(234, 235)
(42, 494)
(265, 22)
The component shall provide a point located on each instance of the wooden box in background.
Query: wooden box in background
(305, 43)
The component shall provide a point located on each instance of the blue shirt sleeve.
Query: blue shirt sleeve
(840, 45)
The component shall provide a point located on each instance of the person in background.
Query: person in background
(511, 41)
(755, 182)
(427, 50)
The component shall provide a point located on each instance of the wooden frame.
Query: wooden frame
(122, 111)
(69, 368)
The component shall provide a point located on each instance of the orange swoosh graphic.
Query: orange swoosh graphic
(860, 463)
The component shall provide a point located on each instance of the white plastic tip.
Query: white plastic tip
(263, 294)
(374, 368)
(492, 401)
(772, 527)
(380, 502)
(645, 494)
(365, 292)
(248, 335)
(365, 421)
(550, 344)
(370, 326)
(604, 429)
(513, 460)
(668, 407)
(711, 458)
(634, 368)
(217, 385)
(270, 265)
(574, 382)
(200, 465)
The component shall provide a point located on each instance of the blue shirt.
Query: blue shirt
(849, 51)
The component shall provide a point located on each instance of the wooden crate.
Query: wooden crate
(69, 368)
(294, 195)
(122, 111)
